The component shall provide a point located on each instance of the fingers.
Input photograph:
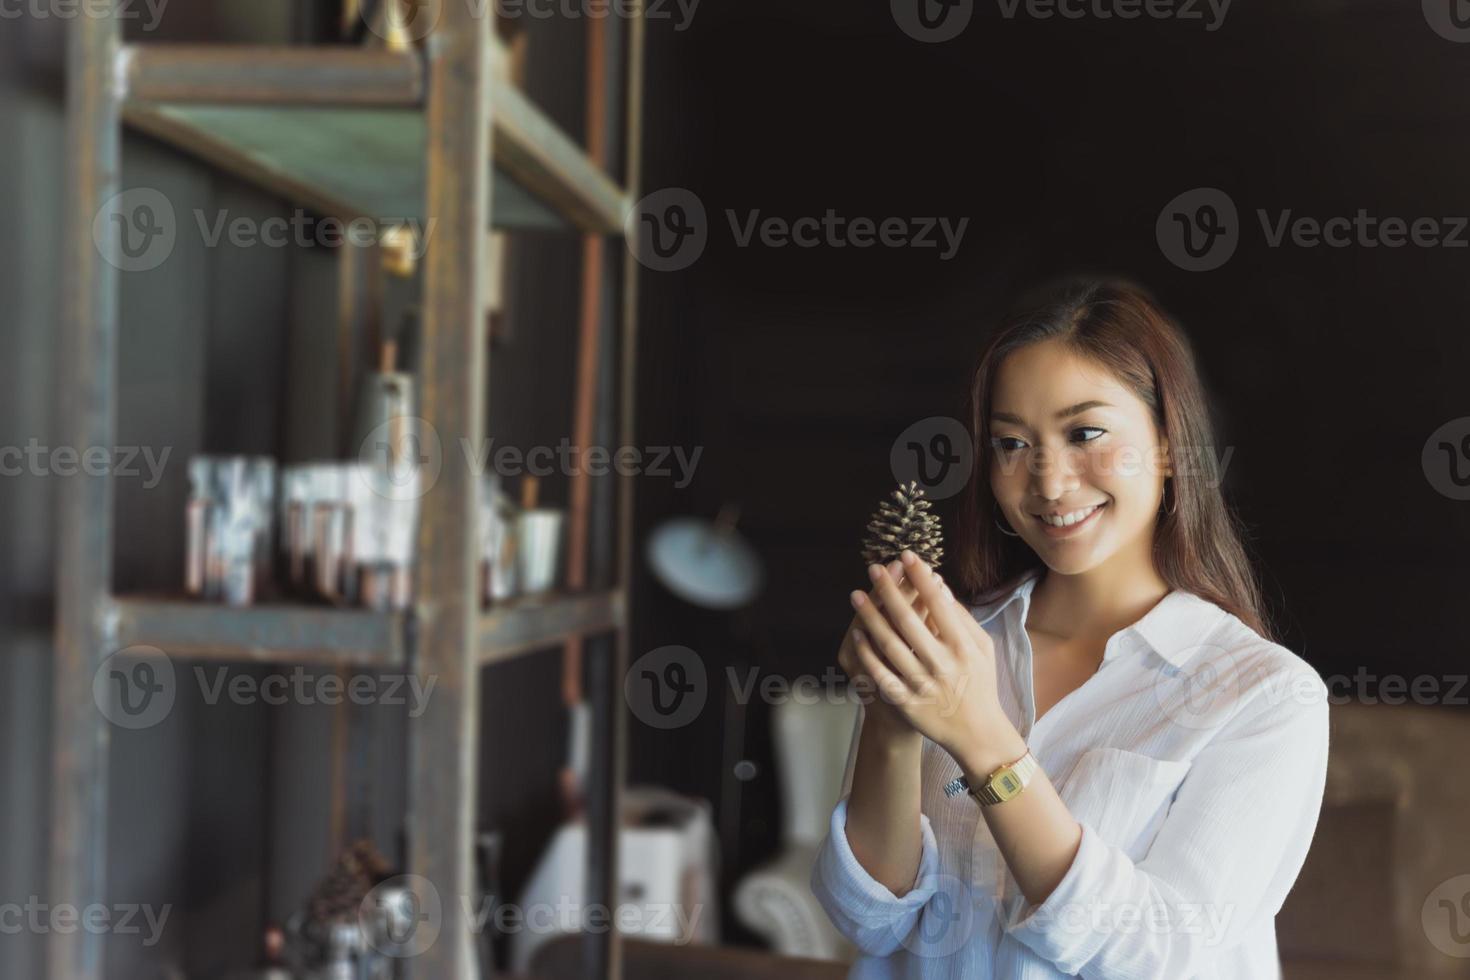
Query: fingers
(948, 614)
(905, 587)
(894, 648)
(889, 683)
(846, 658)
(903, 618)
(895, 568)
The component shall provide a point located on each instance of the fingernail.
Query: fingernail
(860, 636)
(909, 557)
(875, 572)
(895, 568)
(857, 599)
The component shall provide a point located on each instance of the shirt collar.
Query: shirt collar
(1175, 628)
(1178, 626)
(987, 611)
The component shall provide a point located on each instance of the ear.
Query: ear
(1166, 456)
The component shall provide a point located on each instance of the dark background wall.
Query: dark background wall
(793, 369)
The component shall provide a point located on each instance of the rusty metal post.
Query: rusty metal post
(607, 673)
(78, 842)
(444, 741)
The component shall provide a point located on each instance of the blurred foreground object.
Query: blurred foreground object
(706, 563)
(776, 901)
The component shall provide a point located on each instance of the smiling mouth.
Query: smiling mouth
(1063, 523)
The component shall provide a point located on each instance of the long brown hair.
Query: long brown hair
(1116, 323)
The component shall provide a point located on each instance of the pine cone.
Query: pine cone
(904, 523)
(358, 871)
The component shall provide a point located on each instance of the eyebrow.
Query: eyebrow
(1067, 412)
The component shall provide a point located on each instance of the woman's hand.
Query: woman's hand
(940, 680)
(879, 714)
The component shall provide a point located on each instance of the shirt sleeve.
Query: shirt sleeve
(1226, 855)
(861, 908)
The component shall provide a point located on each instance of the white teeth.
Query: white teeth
(1065, 520)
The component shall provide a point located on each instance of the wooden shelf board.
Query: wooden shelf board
(348, 138)
(525, 625)
(283, 633)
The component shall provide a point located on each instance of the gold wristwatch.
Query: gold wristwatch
(1004, 784)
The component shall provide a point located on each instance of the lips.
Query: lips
(1063, 523)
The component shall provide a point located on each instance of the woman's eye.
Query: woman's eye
(1087, 433)
(1007, 444)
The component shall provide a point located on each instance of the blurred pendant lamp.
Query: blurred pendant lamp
(706, 563)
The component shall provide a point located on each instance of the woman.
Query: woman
(1103, 766)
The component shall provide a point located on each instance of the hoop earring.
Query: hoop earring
(1170, 511)
(1002, 528)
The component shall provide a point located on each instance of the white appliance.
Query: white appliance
(667, 873)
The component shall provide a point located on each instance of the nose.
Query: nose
(1053, 473)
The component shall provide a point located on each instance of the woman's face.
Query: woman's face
(1078, 464)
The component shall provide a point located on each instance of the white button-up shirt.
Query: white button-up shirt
(1195, 761)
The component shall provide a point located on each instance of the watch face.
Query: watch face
(1006, 785)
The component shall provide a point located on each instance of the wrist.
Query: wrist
(890, 733)
(987, 754)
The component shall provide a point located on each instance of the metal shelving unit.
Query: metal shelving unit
(391, 135)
